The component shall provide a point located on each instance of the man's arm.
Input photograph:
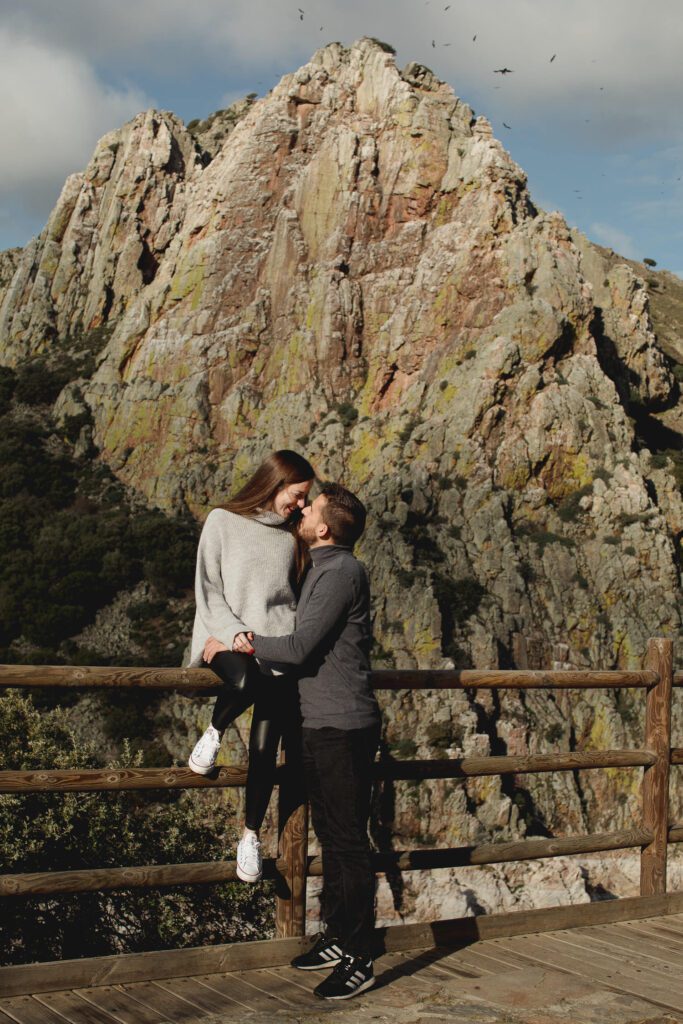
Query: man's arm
(326, 608)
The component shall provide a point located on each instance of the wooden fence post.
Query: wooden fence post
(656, 777)
(290, 908)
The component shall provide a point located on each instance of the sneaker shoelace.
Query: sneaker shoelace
(210, 742)
(251, 843)
(348, 966)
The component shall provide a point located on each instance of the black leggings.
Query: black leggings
(276, 716)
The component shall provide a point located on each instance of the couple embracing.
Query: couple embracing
(283, 618)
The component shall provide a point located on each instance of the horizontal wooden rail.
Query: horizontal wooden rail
(677, 755)
(509, 679)
(675, 834)
(454, 768)
(500, 853)
(157, 875)
(95, 676)
(196, 679)
(85, 780)
(678, 679)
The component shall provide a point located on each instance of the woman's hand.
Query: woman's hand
(212, 647)
(242, 643)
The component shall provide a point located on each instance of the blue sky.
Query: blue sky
(598, 129)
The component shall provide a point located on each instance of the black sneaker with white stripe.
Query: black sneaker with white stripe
(325, 952)
(350, 977)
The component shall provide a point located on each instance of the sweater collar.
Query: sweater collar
(269, 518)
(327, 551)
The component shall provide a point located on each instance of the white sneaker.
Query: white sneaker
(249, 860)
(203, 757)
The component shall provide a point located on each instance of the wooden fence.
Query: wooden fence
(292, 866)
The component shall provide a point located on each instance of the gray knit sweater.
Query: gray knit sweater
(246, 574)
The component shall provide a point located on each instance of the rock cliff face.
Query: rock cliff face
(352, 266)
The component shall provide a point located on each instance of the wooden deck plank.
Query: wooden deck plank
(203, 998)
(543, 952)
(470, 959)
(662, 974)
(4, 1019)
(171, 1006)
(120, 1005)
(668, 928)
(612, 937)
(433, 964)
(272, 984)
(653, 935)
(303, 981)
(27, 1010)
(74, 1009)
(234, 987)
(594, 946)
(405, 968)
(610, 961)
(491, 960)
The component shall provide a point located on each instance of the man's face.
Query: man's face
(311, 519)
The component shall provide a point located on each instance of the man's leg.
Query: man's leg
(343, 770)
(332, 899)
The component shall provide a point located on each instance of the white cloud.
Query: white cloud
(614, 239)
(54, 108)
(616, 74)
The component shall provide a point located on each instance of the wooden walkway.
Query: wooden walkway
(603, 974)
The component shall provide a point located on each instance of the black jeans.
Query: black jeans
(276, 716)
(338, 771)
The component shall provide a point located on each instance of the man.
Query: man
(340, 730)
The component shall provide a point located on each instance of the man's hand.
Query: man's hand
(212, 647)
(242, 643)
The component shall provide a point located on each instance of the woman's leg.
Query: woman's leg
(237, 693)
(275, 711)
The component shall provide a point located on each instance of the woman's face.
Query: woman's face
(291, 497)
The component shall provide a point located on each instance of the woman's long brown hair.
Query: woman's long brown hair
(279, 470)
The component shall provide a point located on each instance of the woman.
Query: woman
(249, 565)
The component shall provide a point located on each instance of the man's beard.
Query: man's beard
(303, 532)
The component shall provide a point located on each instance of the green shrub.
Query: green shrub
(387, 47)
(348, 414)
(554, 732)
(569, 508)
(69, 540)
(63, 831)
(406, 432)
(404, 749)
(39, 383)
(8, 382)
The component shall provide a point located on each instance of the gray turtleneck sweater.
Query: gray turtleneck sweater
(331, 643)
(246, 573)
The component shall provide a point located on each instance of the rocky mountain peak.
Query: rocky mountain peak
(353, 266)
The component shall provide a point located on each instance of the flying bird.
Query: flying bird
(503, 71)
(552, 58)
(505, 125)
(433, 43)
(474, 39)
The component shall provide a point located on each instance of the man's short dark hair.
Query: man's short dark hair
(343, 513)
